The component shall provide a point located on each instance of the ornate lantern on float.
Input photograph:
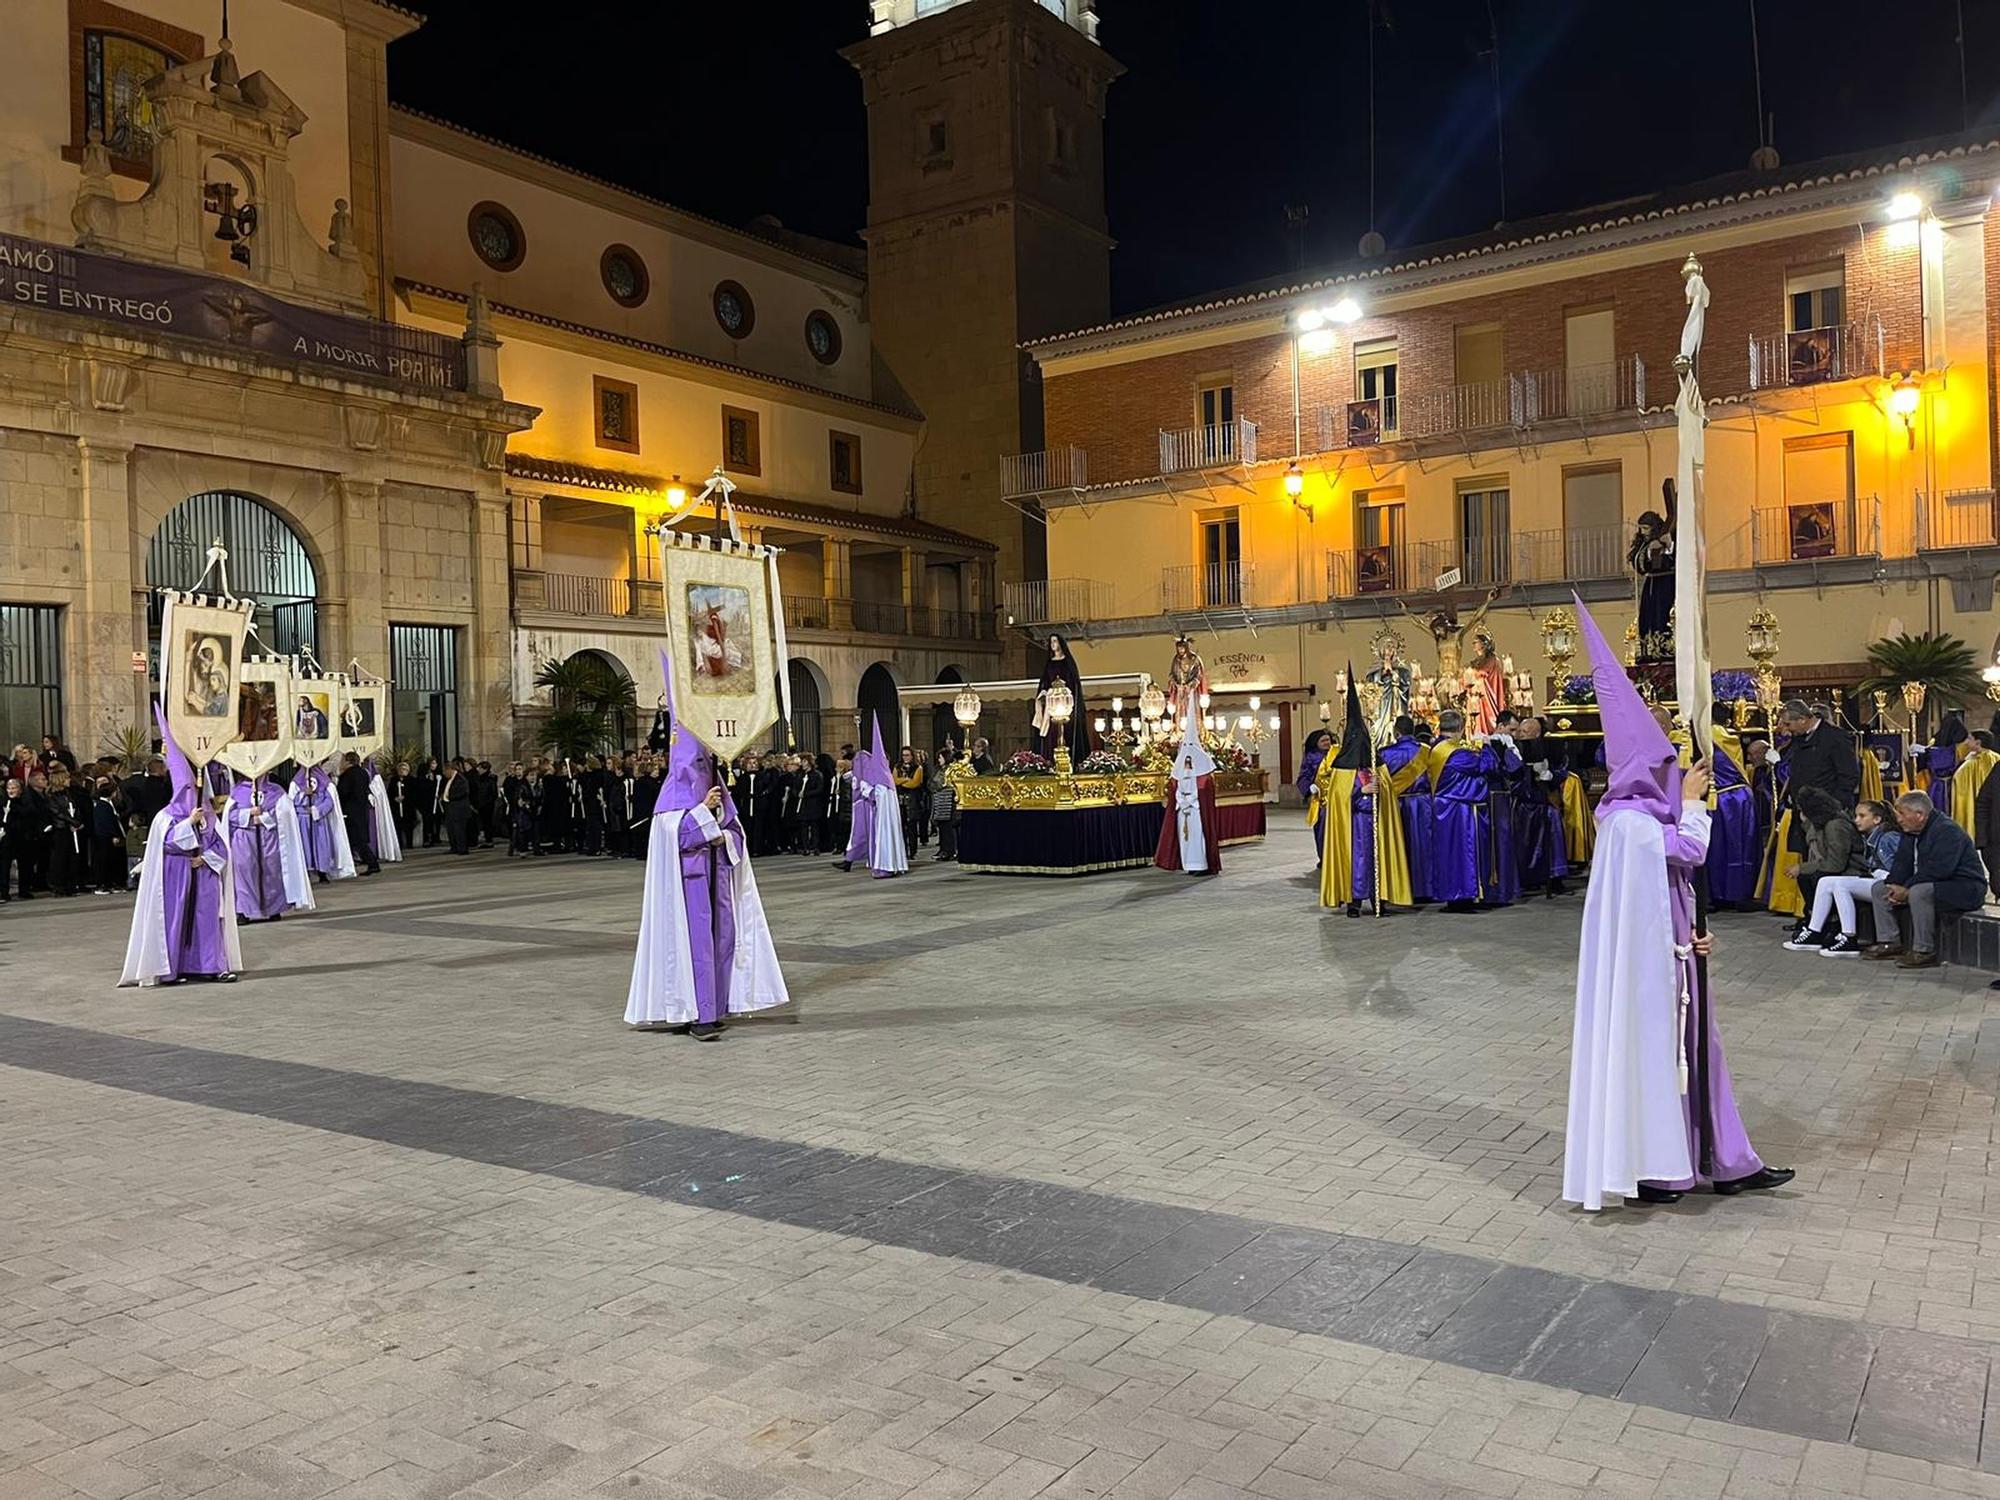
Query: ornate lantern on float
(1061, 703)
(1559, 646)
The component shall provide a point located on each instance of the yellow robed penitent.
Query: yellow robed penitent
(1966, 781)
(1333, 791)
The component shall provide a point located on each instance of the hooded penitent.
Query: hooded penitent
(184, 918)
(322, 831)
(876, 838)
(705, 948)
(267, 858)
(1188, 834)
(1640, 1011)
(1366, 860)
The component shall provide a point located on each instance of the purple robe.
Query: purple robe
(1472, 830)
(312, 793)
(1414, 806)
(254, 850)
(1308, 776)
(1735, 845)
(1541, 847)
(1941, 761)
(191, 895)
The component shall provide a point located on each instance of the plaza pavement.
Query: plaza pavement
(1132, 1186)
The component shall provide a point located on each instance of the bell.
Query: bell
(225, 211)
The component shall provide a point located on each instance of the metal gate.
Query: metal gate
(268, 564)
(423, 666)
(30, 674)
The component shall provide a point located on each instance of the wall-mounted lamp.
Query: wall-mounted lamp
(1903, 401)
(1905, 206)
(1295, 486)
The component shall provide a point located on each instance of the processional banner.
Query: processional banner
(201, 666)
(362, 709)
(316, 709)
(722, 641)
(263, 717)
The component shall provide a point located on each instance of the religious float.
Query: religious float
(1041, 815)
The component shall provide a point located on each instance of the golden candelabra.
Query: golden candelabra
(1559, 633)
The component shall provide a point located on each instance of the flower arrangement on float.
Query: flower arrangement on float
(1103, 763)
(1026, 763)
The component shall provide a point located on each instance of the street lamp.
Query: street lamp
(1903, 401)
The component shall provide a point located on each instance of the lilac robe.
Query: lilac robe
(254, 850)
(191, 896)
(1735, 846)
(1732, 1155)
(1414, 807)
(317, 809)
(711, 913)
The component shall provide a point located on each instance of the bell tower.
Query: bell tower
(986, 228)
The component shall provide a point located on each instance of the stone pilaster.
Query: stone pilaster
(358, 626)
(837, 582)
(485, 661)
(108, 623)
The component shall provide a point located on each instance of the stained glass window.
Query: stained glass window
(734, 310)
(116, 70)
(496, 236)
(823, 338)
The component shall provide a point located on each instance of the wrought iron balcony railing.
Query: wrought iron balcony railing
(1041, 473)
(1222, 446)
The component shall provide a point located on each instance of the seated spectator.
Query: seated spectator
(1840, 893)
(1834, 849)
(1936, 874)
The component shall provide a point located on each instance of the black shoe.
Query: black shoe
(1557, 888)
(843, 865)
(1841, 946)
(1803, 940)
(1756, 1182)
(320, 876)
(1462, 908)
(1353, 909)
(1649, 1194)
(705, 1031)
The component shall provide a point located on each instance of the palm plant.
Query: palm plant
(586, 692)
(1943, 663)
(131, 743)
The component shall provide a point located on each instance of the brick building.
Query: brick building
(1281, 467)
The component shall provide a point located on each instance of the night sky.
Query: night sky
(1230, 111)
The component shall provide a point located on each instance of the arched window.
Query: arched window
(876, 699)
(806, 705)
(268, 564)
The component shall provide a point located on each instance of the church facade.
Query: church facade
(435, 394)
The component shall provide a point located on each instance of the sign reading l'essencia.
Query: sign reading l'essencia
(186, 304)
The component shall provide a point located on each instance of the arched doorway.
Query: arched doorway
(876, 699)
(268, 564)
(808, 699)
(944, 721)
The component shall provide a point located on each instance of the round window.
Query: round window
(496, 236)
(823, 337)
(734, 310)
(624, 275)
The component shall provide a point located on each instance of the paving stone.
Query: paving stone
(1701, 1359)
(1925, 1398)
(1808, 1378)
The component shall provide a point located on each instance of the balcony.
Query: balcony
(1585, 390)
(1571, 554)
(1482, 406)
(1048, 601)
(1814, 531)
(1384, 569)
(1200, 586)
(1812, 356)
(1956, 518)
(1042, 473)
(578, 594)
(1223, 446)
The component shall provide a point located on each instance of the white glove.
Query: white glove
(1771, 756)
(1501, 737)
(1543, 773)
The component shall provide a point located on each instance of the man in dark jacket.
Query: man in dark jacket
(146, 795)
(1936, 874)
(358, 812)
(1820, 754)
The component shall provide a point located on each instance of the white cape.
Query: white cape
(662, 992)
(1625, 1119)
(292, 858)
(343, 851)
(388, 848)
(146, 949)
(887, 853)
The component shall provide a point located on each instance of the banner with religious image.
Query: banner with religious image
(363, 706)
(263, 724)
(315, 711)
(721, 640)
(201, 664)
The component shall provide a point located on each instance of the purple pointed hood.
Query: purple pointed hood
(178, 770)
(1643, 765)
(875, 771)
(690, 769)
